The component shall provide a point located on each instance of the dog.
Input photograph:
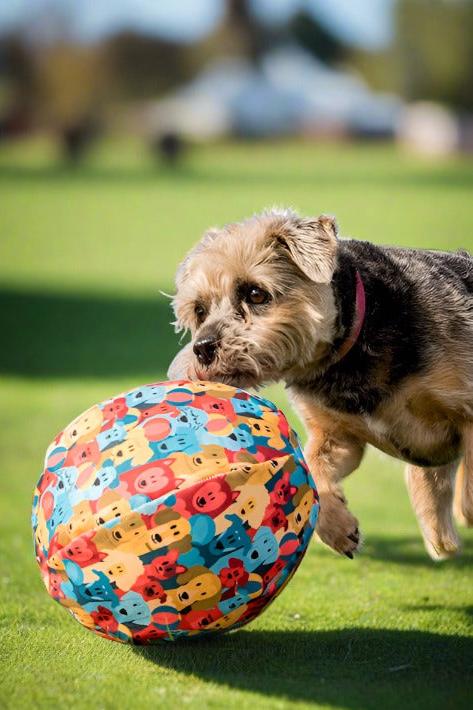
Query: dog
(374, 344)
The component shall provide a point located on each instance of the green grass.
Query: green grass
(83, 255)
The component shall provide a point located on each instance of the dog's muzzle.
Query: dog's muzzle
(205, 349)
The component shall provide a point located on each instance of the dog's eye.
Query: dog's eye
(200, 312)
(256, 296)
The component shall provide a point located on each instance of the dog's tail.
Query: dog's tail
(463, 501)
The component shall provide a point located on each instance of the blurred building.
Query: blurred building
(287, 92)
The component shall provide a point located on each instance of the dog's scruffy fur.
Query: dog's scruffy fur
(405, 386)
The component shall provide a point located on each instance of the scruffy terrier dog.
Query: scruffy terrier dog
(375, 345)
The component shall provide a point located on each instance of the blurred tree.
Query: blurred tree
(431, 57)
(241, 33)
(17, 88)
(436, 50)
(312, 36)
(144, 66)
(72, 84)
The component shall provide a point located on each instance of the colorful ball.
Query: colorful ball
(176, 509)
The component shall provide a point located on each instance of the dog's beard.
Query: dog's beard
(258, 356)
(279, 346)
(235, 365)
(231, 366)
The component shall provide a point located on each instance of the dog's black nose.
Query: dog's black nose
(205, 349)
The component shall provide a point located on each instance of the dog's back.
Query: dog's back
(438, 286)
(455, 267)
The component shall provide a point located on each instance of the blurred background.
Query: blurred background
(206, 70)
(126, 129)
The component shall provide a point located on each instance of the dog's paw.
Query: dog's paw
(336, 526)
(442, 547)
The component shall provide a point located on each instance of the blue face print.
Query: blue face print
(90, 594)
(183, 440)
(62, 511)
(243, 596)
(247, 407)
(240, 438)
(132, 609)
(105, 477)
(193, 418)
(67, 478)
(150, 394)
(109, 437)
(234, 538)
(263, 551)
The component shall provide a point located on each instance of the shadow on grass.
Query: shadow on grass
(57, 335)
(449, 176)
(411, 551)
(350, 668)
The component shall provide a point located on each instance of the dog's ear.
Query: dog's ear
(312, 245)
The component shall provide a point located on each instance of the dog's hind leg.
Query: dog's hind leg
(463, 503)
(431, 491)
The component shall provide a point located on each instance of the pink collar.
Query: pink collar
(360, 310)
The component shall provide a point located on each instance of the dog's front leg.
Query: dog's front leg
(331, 457)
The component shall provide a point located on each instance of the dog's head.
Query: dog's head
(256, 298)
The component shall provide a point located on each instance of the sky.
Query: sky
(365, 23)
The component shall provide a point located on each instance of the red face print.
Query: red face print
(83, 551)
(213, 405)
(115, 410)
(104, 618)
(149, 588)
(234, 575)
(84, 453)
(283, 426)
(151, 479)
(55, 585)
(144, 636)
(283, 490)
(157, 479)
(275, 518)
(166, 567)
(157, 409)
(212, 496)
(200, 619)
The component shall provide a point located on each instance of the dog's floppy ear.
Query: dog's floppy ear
(312, 245)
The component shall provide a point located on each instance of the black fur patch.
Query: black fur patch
(395, 340)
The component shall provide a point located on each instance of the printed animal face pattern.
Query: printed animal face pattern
(176, 509)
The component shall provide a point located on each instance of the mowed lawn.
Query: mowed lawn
(84, 254)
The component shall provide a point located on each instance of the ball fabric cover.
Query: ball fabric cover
(176, 509)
